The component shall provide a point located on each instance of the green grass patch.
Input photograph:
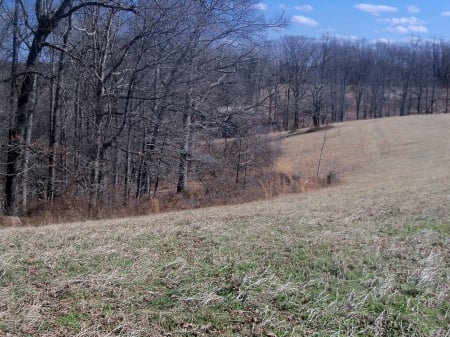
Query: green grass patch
(258, 276)
(72, 321)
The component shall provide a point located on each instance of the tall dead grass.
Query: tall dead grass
(267, 185)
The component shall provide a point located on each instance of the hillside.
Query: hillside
(368, 256)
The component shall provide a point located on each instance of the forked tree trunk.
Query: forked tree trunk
(47, 23)
(16, 139)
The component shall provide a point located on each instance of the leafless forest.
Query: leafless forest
(114, 105)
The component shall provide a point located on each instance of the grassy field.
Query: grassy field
(368, 256)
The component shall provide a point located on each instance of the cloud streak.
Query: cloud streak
(304, 8)
(305, 21)
(413, 9)
(376, 10)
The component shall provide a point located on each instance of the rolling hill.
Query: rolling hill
(368, 256)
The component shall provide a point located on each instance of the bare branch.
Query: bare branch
(60, 14)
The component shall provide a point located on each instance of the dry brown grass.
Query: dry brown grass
(366, 257)
(398, 148)
(10, 221)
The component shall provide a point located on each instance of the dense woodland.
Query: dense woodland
(110, 105)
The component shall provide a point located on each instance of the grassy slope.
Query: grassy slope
(367, 257)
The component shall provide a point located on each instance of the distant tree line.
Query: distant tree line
(338, 79)
(105, 103)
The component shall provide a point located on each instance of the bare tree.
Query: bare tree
(48, 17)
(297, 55)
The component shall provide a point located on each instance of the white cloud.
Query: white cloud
(398, 29)
(447, 13)
(375, 9)
(347, 37)
(418, 29)
(261, 6)
(403, 21)
(408, 29)
(304, 8)
(413, 9)
(305, 21)
(405, 25)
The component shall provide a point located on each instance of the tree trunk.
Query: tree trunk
(95, 177)
(419, 100)
(358, 103)
(296, 109)
(238, 161)
(342, 100)
(26, 155)
(286, 111)
(140, 172)
(17, 131)
(127, 178)
(403, 110)
(54, 117)
(184, 151)
(14, 65)
(433, 97)
(46, 25)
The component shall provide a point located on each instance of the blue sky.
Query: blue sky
(386, 21)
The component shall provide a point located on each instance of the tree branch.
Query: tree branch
(61, 15)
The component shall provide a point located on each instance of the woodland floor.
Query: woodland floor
(368, 256)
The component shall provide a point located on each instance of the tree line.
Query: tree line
(108, 103)
(343, 79)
